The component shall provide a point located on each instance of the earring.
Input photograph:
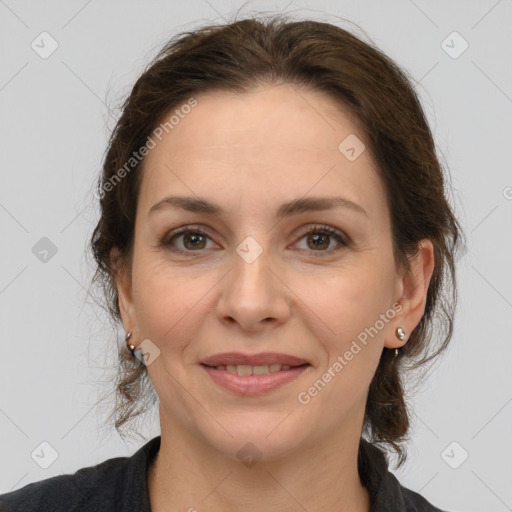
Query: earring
(400, 334)
(130, 346)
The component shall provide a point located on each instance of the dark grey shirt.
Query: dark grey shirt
(120, 484)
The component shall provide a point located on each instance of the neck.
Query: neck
(189, 474)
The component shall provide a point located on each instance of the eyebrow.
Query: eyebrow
(294, 207)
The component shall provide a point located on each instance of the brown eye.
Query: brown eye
(318, 238)
(192, 240)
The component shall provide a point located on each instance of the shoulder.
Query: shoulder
(116, 484)
(386, 492)
(415, 502)
(93, 484)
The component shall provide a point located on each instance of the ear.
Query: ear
(412, 291)
(123, 282)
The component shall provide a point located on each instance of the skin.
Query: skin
(250, 153)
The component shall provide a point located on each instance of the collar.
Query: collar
(385, 490)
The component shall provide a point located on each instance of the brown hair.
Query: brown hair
(237, 57)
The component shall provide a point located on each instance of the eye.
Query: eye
(320, 237)
(194, 239)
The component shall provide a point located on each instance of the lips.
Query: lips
(263, 358)
(257, 380)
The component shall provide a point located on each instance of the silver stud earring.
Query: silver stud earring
(400, 333)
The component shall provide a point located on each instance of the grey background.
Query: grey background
(56, 114)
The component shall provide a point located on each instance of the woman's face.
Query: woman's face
(249, 281)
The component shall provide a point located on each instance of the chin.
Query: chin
(255, 436)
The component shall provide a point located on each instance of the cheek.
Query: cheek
(344, 313)
(353, 295)
(169, 301)
(345, 309)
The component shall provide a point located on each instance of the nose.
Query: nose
(253, 295)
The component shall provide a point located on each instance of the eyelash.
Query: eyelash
(321, 229)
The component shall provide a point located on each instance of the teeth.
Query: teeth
(260, 370)
(245, 369)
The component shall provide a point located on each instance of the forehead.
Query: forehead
(279, 117)
(273, 143)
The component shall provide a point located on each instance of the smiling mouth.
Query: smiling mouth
(254, 380)
(246, 369)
